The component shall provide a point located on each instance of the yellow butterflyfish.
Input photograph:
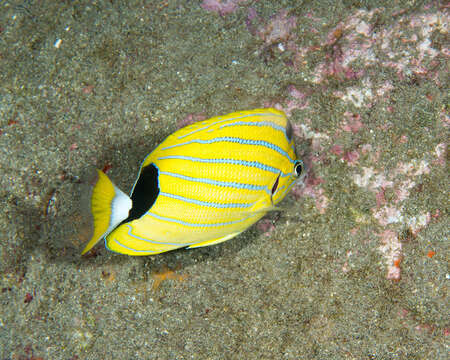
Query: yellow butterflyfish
(204, 184)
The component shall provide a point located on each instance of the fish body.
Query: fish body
(204, 184)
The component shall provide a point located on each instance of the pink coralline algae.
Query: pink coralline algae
(352, 123)
(337, 150)
(349, 40)
(388, 215)
(280, 28)
(312, 189)
(391, 248)
(266, 226)
(392, 214)
(298, 100)
(221, 7)
(355, 39)
(348, 55)
(351, 157)
(440, 150)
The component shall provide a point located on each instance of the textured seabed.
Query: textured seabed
(356, 264)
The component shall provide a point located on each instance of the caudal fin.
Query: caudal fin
(109, 207)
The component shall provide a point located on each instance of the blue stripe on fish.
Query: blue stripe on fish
(256, 164)
(206, 203)
(129, 248)
(185, 223)
(130, 229)
(235, 140)
(287, 189)
(225, 120)
(258, 123)
(216, 182)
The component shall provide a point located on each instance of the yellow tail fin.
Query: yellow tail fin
(109, 207)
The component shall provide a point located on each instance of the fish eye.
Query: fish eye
(298, 167)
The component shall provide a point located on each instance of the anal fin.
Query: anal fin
(215, 241)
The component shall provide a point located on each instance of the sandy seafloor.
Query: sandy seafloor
(355, 266)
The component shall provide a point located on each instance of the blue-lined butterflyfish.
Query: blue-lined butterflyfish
(204, 184)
